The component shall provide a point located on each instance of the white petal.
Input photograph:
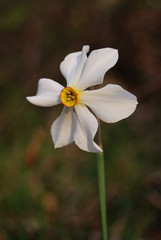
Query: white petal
(68, 66)
(71, 66)
(48, 93)
(80, 66)
(97, 64)
(86, 129)
(111, 103)
(63, 128)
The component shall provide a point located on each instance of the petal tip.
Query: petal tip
(85, 48)
(117, 53)
(99, 149)
(33, 100)
(29, 99)
(56, 146)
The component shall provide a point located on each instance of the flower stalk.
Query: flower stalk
(101, 183)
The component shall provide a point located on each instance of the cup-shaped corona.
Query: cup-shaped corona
(68, 97)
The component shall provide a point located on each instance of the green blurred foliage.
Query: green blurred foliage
(53, 194)
(14, 17)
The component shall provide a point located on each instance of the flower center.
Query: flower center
(68, 97)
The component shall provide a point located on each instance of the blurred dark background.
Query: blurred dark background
(53, 194)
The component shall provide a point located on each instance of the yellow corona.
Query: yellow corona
(69, 97)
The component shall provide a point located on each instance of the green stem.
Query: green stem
(101, 179)
(102, 193)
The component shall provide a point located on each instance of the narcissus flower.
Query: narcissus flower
(76, 122)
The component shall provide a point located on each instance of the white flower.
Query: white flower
(76, 123)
